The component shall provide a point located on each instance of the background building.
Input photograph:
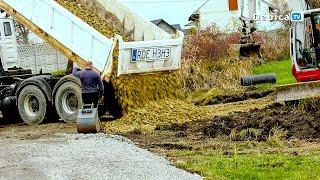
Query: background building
(225, 14)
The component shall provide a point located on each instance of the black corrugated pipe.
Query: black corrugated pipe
(258, 79)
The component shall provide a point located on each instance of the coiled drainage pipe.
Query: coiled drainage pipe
(258, 79)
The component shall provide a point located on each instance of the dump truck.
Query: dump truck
(33, 96)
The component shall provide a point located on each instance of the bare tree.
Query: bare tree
(314, 3)
(23, 33)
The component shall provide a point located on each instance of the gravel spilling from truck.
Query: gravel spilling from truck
(129, 91)
(90, 15)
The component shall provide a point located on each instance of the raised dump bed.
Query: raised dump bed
(79, 41)
(66, 32)
(79, 32)
(142, 29)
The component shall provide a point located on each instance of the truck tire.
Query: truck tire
(32, 105)
(67, 101)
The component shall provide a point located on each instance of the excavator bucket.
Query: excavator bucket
(248, 50)
(298, 91)
(88, 120)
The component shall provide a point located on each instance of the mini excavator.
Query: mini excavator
(304, 46)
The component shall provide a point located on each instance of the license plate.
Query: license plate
(151, 54)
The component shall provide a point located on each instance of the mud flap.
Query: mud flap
(249, 50)
(298, 91)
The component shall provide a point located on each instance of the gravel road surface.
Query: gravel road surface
(55, 151)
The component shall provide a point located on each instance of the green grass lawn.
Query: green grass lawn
(282, 69)
(253, 166)
(259, 160)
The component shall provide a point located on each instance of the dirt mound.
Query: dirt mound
(212, 98)
(172, 114)
(162, 112)
(260, 124)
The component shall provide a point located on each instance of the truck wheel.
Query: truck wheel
(67, 101)
(32, 105)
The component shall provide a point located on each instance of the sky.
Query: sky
(172, 11)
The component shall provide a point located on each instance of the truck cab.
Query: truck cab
(8, 42)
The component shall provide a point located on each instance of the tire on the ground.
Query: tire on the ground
(67, 101)
(32, 105)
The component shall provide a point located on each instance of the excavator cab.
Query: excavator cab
(305, 47)
(305, 55)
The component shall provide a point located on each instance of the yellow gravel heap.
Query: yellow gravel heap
(130, 91)
(164, 112)
(170, 112)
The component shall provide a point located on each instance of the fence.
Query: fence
(41, 57)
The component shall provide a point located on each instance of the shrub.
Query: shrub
(275, 45)
(206, 63)
(208, 44)
(314, 3)
(209, 73)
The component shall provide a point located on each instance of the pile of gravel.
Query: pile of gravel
(77, 156)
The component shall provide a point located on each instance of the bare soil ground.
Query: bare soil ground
(276, 123)
(22, 131)
(294, 123)
(233, 97)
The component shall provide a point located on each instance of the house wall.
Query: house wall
(218, 13)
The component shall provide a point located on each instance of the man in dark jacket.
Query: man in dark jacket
(92, 86)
